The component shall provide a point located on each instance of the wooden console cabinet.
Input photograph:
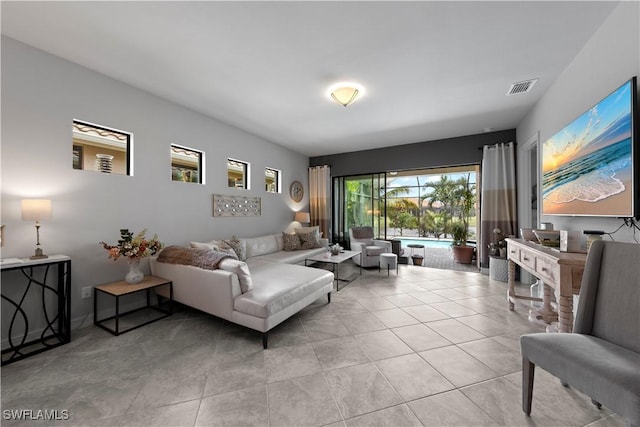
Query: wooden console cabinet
(561, 271)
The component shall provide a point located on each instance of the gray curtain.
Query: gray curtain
(498, 197)
(320, 198)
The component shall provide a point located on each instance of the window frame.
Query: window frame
(278, 180)
(246, 166)
(201, 163)
(128, 145)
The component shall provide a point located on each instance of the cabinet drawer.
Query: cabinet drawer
(548, 271)
(527, 259)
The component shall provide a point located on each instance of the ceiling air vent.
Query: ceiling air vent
(521, 87)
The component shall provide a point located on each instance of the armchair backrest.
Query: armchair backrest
(361, 233)
(609, 304)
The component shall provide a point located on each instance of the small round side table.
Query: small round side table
(390, 261)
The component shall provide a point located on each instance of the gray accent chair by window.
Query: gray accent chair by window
(601, 358)
(361, 239)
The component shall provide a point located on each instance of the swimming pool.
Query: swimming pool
(429, 243)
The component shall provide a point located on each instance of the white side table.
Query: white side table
(499, 269)
(389, 261)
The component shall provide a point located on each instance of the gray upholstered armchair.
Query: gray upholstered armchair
(601, 358)
(361, 239)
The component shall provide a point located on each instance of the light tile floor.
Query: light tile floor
(426, 347)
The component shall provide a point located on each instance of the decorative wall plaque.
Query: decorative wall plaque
(236, 205)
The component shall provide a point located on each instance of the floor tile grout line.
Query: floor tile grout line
(221, 330)
(415, 352)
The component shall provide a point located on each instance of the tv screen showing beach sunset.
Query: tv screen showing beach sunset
(587, 167)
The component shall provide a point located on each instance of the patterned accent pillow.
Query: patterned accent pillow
(309, 240)
(229, 251)
(291, 242)
(238, 246)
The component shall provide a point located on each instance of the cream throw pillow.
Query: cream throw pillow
(212, 245)
(241, 269)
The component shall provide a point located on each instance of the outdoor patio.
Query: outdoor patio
(443, 259)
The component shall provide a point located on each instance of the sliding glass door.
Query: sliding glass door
(358, 202)
(412, 204)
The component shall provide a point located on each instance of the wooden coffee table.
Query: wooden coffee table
(336, 260)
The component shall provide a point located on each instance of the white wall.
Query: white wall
(42, 94)
(610, 57)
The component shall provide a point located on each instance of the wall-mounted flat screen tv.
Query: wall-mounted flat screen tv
(588, 167)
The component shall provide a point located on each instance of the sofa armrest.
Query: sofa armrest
(358, 246)
(212, 291)
(324, 243)
(383, 243)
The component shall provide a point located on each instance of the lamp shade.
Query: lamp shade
(302, 217)
(36, 209)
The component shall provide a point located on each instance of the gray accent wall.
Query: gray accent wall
(463, 150)
(42, 94)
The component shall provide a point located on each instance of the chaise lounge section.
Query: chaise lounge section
(259, 294)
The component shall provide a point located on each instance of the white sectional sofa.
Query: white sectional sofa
(280, 288)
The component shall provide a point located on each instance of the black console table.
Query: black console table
(54, 305)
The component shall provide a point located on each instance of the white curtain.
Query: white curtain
(320, 198)
(498, 197)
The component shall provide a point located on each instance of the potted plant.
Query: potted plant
(462, 253)
(417, 259)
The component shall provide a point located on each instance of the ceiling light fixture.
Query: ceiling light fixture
(345, 93)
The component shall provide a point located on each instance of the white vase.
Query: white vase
(135, 275)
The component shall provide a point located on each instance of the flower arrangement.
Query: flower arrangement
(133, 247)
(499, 246)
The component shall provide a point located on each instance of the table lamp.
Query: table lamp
(36, 210)
(302, 217)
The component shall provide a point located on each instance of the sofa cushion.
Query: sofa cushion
(280, 241)
(303, 230)
(291, 242)
(261, 245)
(242, 271)
(309, 240)
(214, 245)
(292, 257)
(277, 286)
(374, 250)
(238, 246)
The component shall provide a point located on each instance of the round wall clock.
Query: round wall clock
(296, 191)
